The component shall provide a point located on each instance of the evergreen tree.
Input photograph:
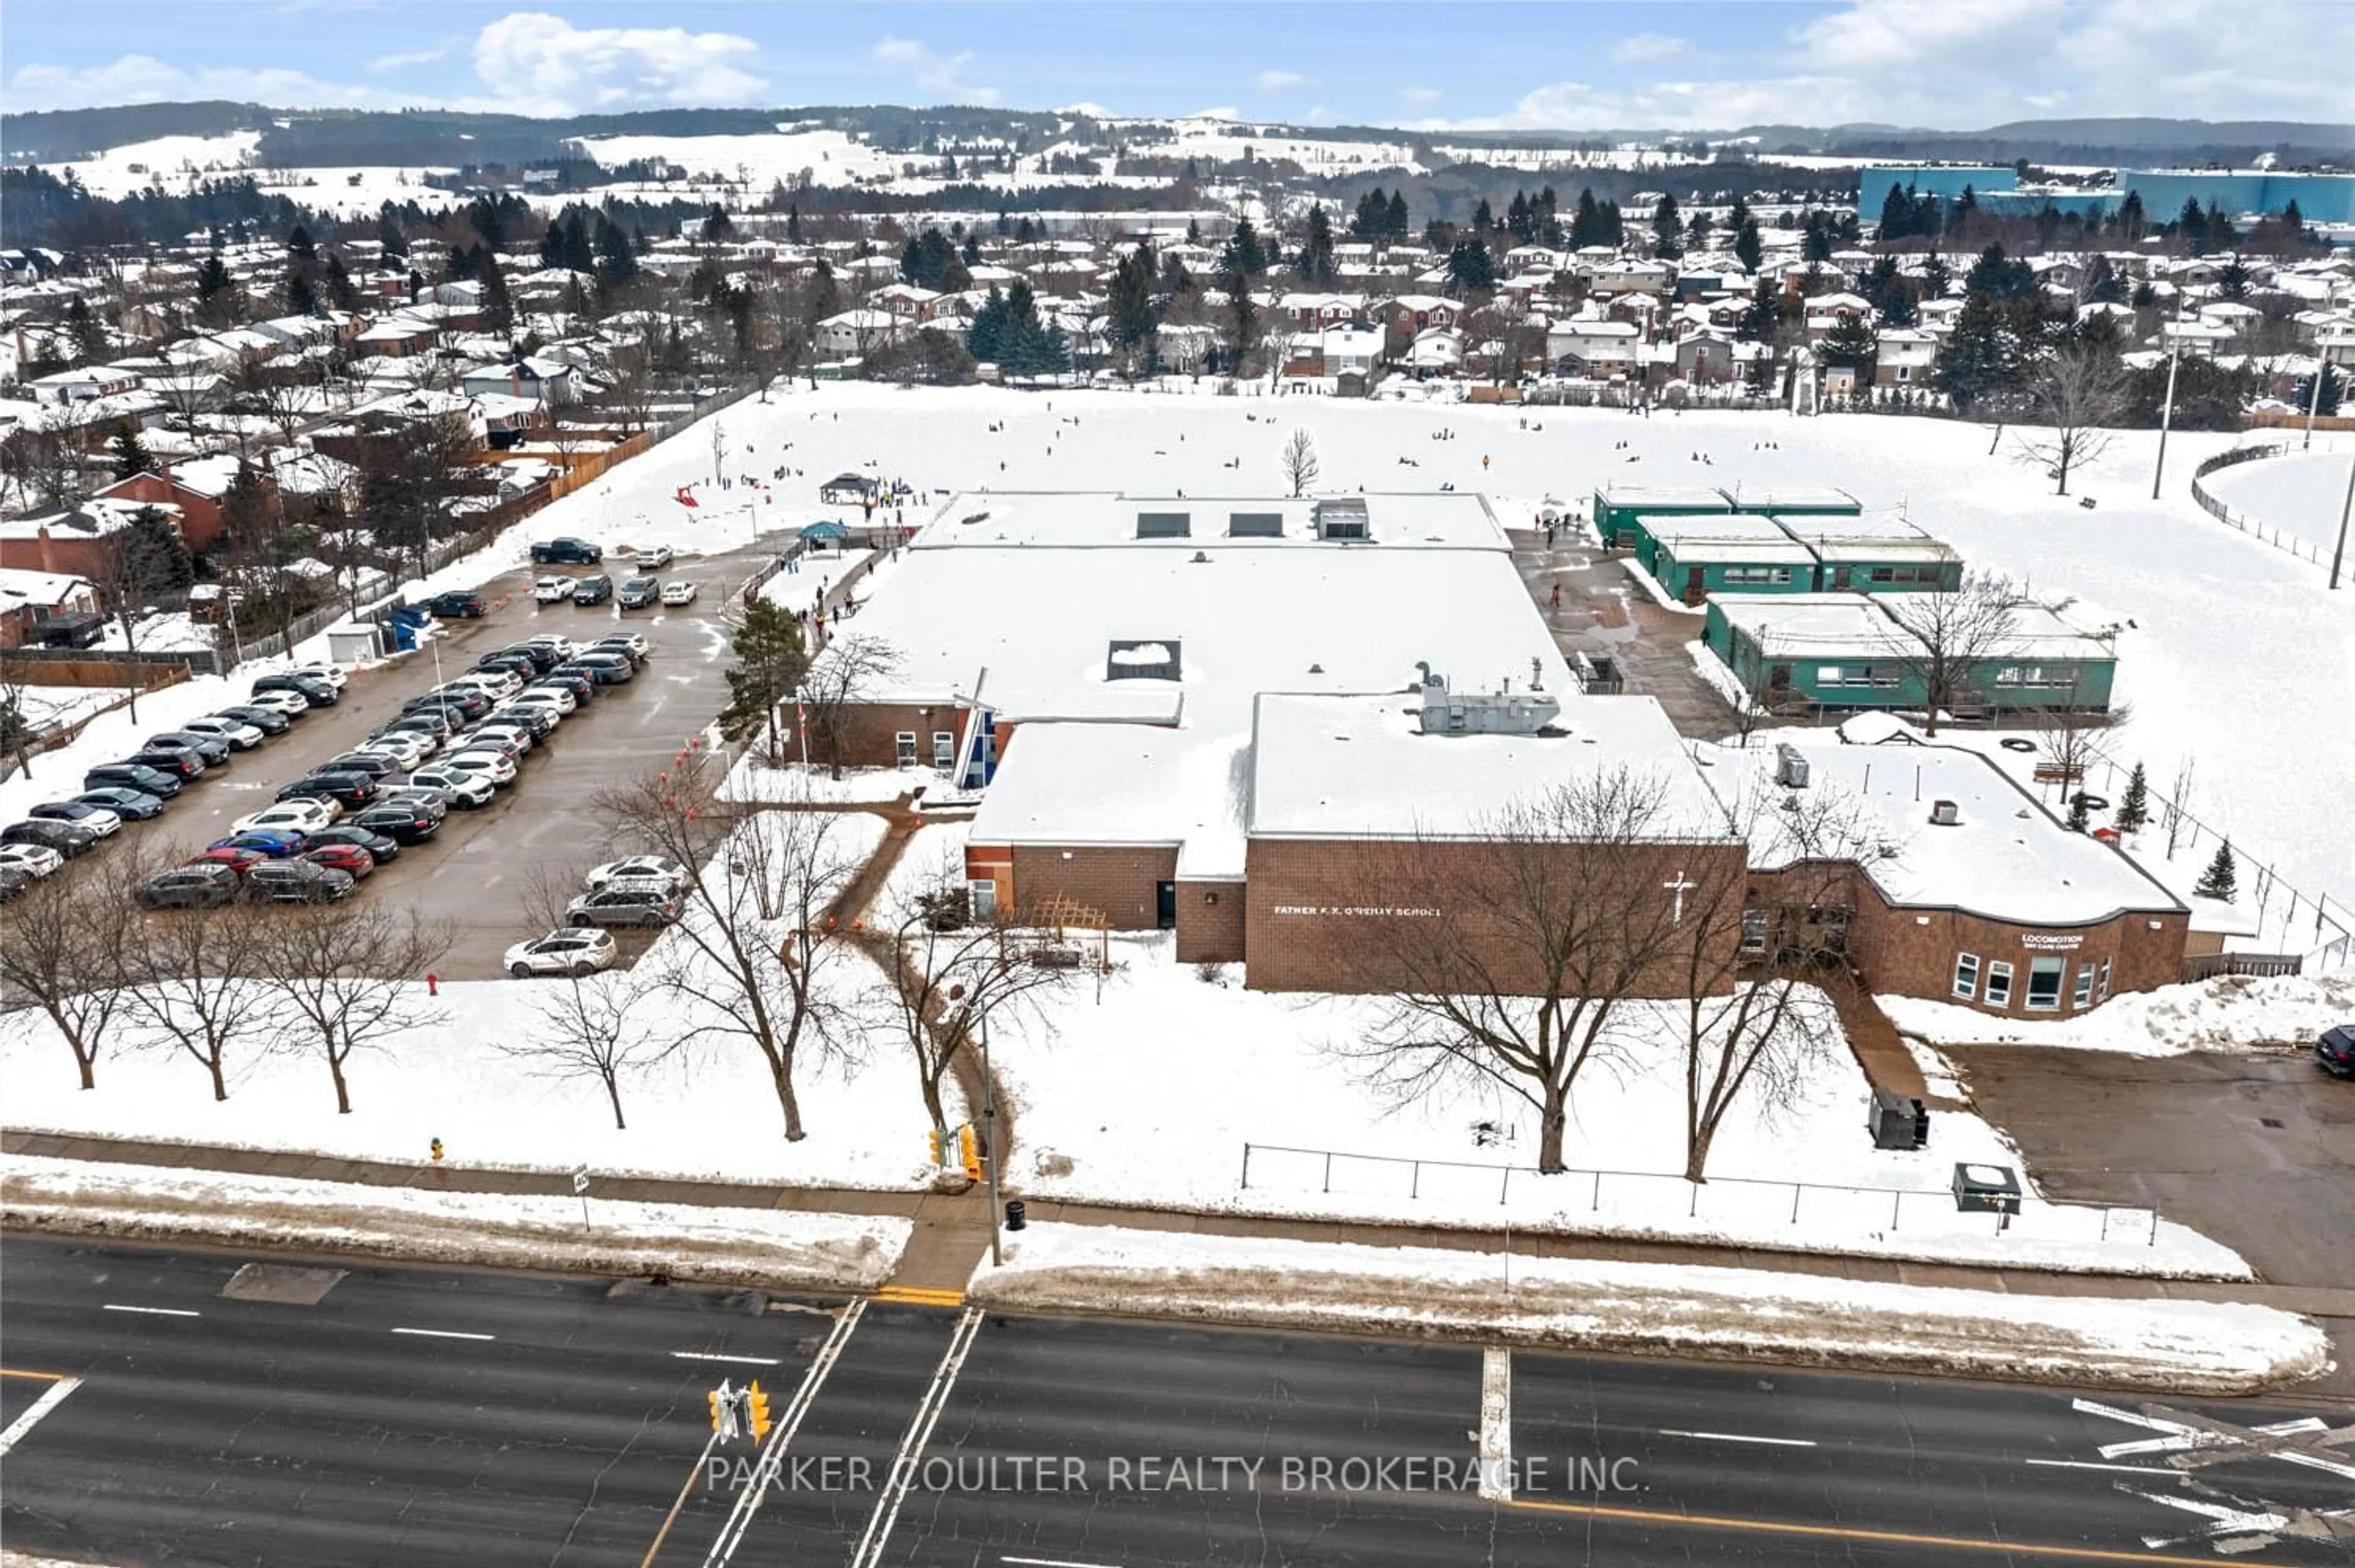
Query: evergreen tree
(1892, 296)
(617, 264)
(155, 557)
(1748, 247)
(1849, 344)
(498, 306)
(971, 254)
(1896, 215)
(1979, 360)
(213, 280)
(2101, 285)
(1936, 276)
(2132, 221)
(2221, 234)
(2221, 880)
(301, 299)
(1483, 219)
(1243, 254)
(1395, 227)
(1366, 222)
(2233, 277)
(1585, 221)
(719, 229)
(1998, 277)
(1315, 263)
(2190, 227)
(2134, 806)
(770, 661)
(391, 243)
(89, 333)
(1762, 315)
(1128, 306)
(2330, 394)
(1614, 228)
(299, 245)
(1470, 266)
(2081, 811)
(1697, 231)
(341, 292)
(1517, 217)
(127, 454)
(1815, 240)
(987, 329)
(1668, 228)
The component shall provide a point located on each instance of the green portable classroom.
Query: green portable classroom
(1846, 651)
(1794, 501)
(1875, 555)
(1695, 557)
(1619, 510)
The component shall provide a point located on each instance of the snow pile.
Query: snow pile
(1655, 1308)
(758, 1248)
(2230, 1012)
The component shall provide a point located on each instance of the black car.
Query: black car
(592, 590)
(401, 824)
(533, 716)
(269, 721)
(374, 764)
(602, 669)
(508, 661)
(13, 880)
(566, 552)
(381, 847)
(207, 884)
(211, 748)
(472, 701)
(575, 681)
(296, 881)
(130, 805)
(137, 776)
(317, 693)
(63, 837)
(350, 791)
(2336, 1050)
(180, 762)
(542, 656)
(463, 603)
(640, 592)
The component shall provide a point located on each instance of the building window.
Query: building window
(1754, 930)
(944, 749)
(1998, 984)
(2101, 986)
(1777, 574)
(904, 747)
(981, 894)
(2083, 995)
(1966, 976)
(1830, 675)
(2044, 983)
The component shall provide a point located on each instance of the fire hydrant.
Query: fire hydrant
(432, 984)
(437, 1151)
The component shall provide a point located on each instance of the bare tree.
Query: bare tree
(1505, 955)
(2065, 734)
(61, 942)
(754, 945)
(2077, 395)
(841, 678)
(15, 729)
(1299, 462)
(195, 979)
(352, 973)
(594, 1027)
(1947, 641)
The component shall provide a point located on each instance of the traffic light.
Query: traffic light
(757, 1409)
(969, 1151)
(724, 1411)
(939, 1155)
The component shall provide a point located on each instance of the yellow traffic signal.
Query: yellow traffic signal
(759, 1406)
(969, 1150)
(718, 1412)
(938, 1155)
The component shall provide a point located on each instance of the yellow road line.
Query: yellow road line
(919, 1296)
(1854, 1534)
(42, 1376)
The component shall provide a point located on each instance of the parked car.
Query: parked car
(602, 669)
(130, 804)
(204, 885)
(541, 697)
(638, 869)
(381, 847)
(522, 667)
(572, 682)
(468, 705)
(541, 718)
(136, 777)
(238, 860)
(677, 592)
(566, 551)
(466, 790)
(551, 589)
(461, 604)
(375, 766)
(269, 721)
(573, 950)
(350, 791)
(289, 705)
(349, 858)
(316, 690)
(14, 881)
(211, 750)
(65, 837)
(241, 735)
(498, 685)
(513, 737)
(634, 643)
(32, 860)
(404, 748)
(556, 643)
(643, 904)
(334, 675)
(276, 844)
(292, 817)
(544, 655)
(2336, 1050)
(639, 593)
(297, 881)
(404, 822)
(178, 760)
(436, 802)
(483, 763)
(100, 820)
(592, 590)
(428, 725)
(654, 557)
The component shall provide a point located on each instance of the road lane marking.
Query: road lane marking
(40, 1407)
(918, 1295)
(1739, 1437)
(766, 1464)
(1051, 1562)
(2115, 1469)
(152, 1311)
(28, 1373)
(1856, 1534)
(1497, 1426)
(911, 1447)
(715, 1355)
(443, 1334)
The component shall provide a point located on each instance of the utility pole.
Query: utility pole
(2314, 404)
(2345, 506)
(2166, 418)
(989, 1141)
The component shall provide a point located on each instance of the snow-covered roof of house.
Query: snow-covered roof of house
(2005, 858)
(20, 586)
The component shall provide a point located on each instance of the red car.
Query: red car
(342, 857)
(238, 860)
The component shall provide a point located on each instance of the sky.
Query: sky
(1571, 65)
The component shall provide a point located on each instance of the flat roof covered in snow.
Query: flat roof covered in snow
(1084, 519)
(1127, 784)
(1702, 534)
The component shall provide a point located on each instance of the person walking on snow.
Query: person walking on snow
(1556, 601)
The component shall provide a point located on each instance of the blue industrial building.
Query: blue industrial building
(2238, 193)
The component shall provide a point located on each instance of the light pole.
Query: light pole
(2166, 416)
(2314, 404)
(2345, 506)
(989, 1140)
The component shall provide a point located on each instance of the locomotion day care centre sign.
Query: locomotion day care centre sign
(2039, 943)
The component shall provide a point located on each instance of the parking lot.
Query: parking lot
(477, 874)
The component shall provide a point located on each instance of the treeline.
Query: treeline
(42, 208)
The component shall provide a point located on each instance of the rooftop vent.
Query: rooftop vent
(1255, 525)
(1946, 813)
(1790, 767)
(1165, 525)
(1143, 659)
(1446, 712)
(1342, 517)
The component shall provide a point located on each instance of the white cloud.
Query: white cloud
(402, 61)
(142, 78)
(1419, 97)
(934, 72)
(1278, 81)
(540, 64)
(1645, 46)
(1221, 112)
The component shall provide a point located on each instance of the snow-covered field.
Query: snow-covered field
(1661, 1308)
(2300, 495)
(177, 163)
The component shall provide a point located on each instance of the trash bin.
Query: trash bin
(1898, 1121)
(1986, 1188)
(1015, 1220)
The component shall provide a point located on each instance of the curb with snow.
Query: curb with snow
(1676, 1309)
(748, 1248)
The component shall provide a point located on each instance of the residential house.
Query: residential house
(29, 598)
(547, 382)
(1585, 345)
(1905, 356)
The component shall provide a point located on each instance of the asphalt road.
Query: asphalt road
(342, 1423)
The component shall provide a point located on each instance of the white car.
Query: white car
(557, 640)
(493, 684)
(241, 735)
(406, 747)
(653, 555)
(289, 816)
(463, 786)
(552, 591)
(293, 704)
(515, 737)
(495, 766)
(638, 869)
(334, 675)
(38, 859)
(577, 951)
(555, 698)
(678, 590)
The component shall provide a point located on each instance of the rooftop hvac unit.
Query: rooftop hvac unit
(1946, 813)
(1790, 767)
